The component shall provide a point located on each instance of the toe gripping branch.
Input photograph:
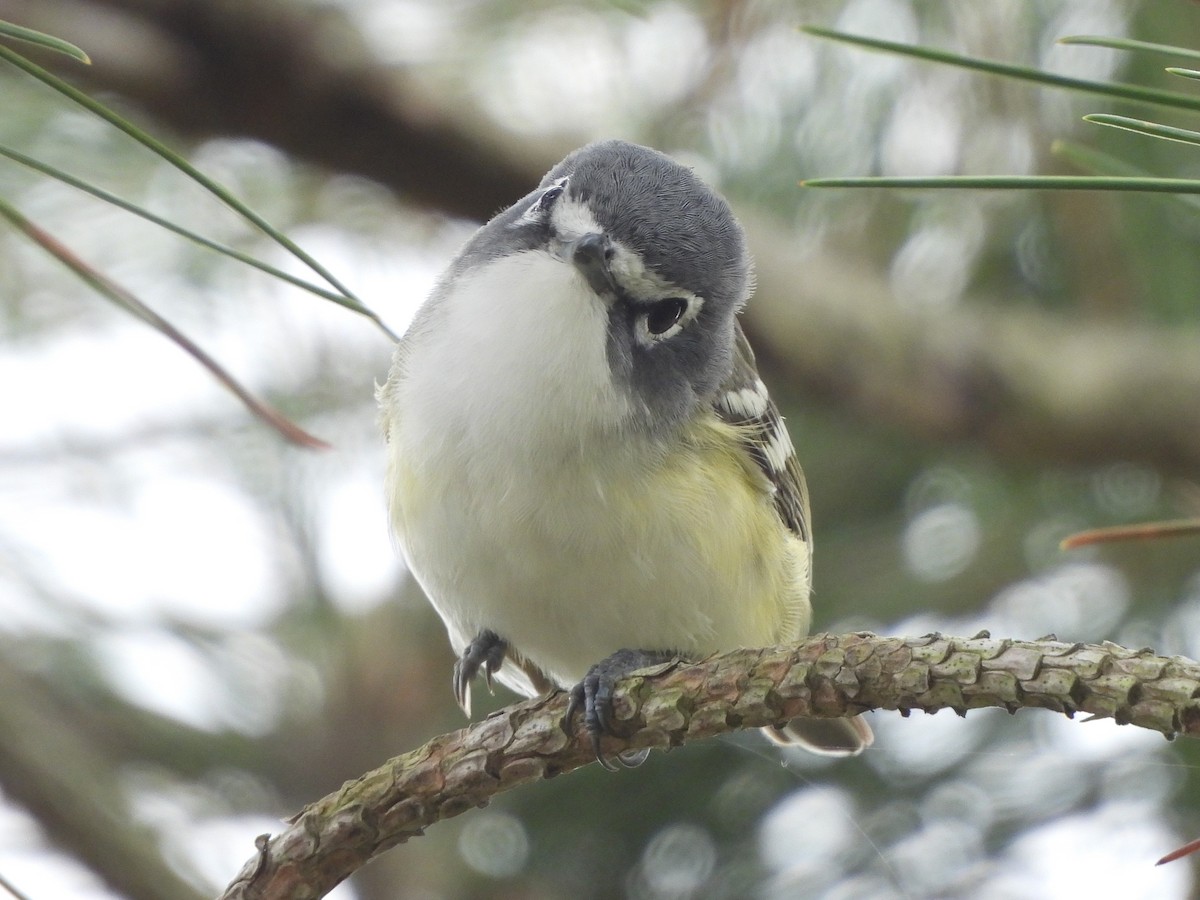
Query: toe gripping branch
(594, 697)
(486, 652)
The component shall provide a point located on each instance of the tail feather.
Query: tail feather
(826, 737)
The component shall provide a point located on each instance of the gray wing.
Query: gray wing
(743, 401)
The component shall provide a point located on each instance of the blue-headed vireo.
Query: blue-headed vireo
(586, 474)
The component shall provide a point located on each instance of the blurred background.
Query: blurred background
(202, 629)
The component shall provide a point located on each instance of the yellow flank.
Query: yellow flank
(633, 543)
(745, 533)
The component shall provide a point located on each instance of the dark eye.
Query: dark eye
(547, 199)
(665, 313)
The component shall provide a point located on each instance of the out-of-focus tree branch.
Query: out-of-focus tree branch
(288, 74)
(825, 675)
(71, 786)
(1026, 384)
(1021, 382)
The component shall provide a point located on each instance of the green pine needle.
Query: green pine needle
(222, 193)
(1117, 90)
(1151, 129)
(56, 173)
(1019, 182)
(1130, 44)
(29, 36)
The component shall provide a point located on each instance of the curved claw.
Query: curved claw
(486, 651)
(583, 696)
(631, 759)
(594, 696)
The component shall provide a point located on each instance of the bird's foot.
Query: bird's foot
(594, 696)
(485, 652)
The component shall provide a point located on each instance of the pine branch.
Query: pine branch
(664, 707)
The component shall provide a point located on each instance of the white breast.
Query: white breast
(524, 505)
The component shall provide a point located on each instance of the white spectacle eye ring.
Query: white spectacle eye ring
(664, 315)
(539, 210)
(547, 199)
(660, 320)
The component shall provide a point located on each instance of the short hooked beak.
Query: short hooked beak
(592, 255)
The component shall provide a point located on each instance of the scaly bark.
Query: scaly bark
(664, 707)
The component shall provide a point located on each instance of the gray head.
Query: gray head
(659, 247)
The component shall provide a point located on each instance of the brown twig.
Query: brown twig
(109, 289)
(1142, 531)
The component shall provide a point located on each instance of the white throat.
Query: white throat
(514, 360)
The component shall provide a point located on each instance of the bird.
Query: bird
(585, 472)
